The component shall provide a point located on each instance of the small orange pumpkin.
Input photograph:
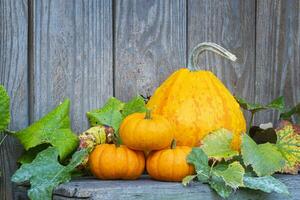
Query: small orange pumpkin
(146, 132)
(169, 164)
(108, 161)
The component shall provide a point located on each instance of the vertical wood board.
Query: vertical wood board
(150, 43)
(231, 24)
(277, 54)
(71, 57)
(14, 77)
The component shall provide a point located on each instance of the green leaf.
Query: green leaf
(109, 114)
(253, 107)
(217, 145)
(266, 184)
(111, 118)
(29, 156)
(186, 180)
(293, 111)
(232, 175)
(4, 109)
(199, 159)
(45, 173)
(218, 184)
(54, 129)
(111, 104)
(288, 144)
(114, 111)
(277, 104)
(135, 105)
(264, 158)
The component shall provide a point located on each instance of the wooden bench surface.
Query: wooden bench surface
(146, 188)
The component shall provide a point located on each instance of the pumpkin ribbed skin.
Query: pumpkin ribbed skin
(197, 103)
(146, 134)
(169, 164)
(110, 162)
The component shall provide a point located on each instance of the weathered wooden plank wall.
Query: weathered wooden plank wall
(71, 56)
(91, 49)
(13, 75)
(150, 43)
(277, 53)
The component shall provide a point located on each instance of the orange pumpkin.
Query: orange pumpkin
(107, 161)
(169, 164)
(197, 102)
(146, 132)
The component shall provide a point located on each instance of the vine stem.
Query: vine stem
(251, 122)
(207, 46)
(9, 132)
(211, 167)
(3, 139)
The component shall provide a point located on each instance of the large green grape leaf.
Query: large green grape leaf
(114, 111)
(54, 129)
(199, 159)
(264, 158)
(217, 145)
(265, 184)
(109, 114)
(136, 104)
(232, 174)
(4, 109)
(288, 143)
(45, 173)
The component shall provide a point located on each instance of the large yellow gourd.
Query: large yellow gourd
(197, 102)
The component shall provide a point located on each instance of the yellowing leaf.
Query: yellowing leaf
(186, 180)
(288, 143)
(217, 145)
(231, 175)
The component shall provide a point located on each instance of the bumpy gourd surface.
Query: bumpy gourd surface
(110, 162)
(169, 164)
(197, 102)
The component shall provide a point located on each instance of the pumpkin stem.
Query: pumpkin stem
(148, 114)
(173, 144)
(200, 48)
(116, 140)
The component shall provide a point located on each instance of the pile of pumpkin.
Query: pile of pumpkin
(184, 109)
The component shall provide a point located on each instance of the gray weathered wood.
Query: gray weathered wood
(150, 43)
(277, 53)
(148, 189)
(231, 24)
(71, 56)
(13, 75)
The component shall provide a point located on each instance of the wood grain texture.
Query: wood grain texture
(150, 43)
(277, 53)
(71, 57)
(147, 189)
(14, 76)
(230, 23)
